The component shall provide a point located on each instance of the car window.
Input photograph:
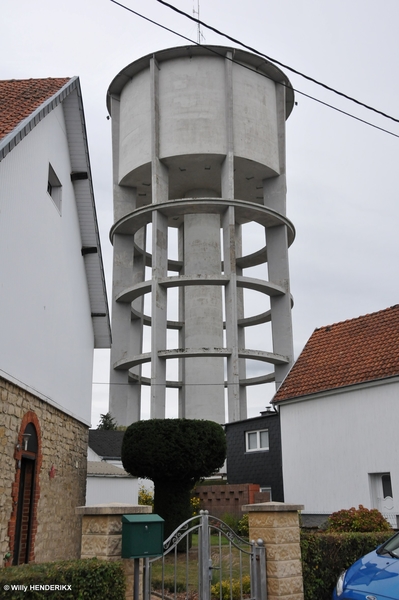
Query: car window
(392, 545)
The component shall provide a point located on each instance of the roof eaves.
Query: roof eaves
(105, 458)
(26, 125)
(94, 266)
(111, 475)
(336, 390)
(265, 415)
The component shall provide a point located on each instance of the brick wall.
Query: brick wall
(219, 500)
(61, 465)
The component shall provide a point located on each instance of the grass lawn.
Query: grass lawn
(179, 570)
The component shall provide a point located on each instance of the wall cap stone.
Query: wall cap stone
(272, 507)
(113, 508)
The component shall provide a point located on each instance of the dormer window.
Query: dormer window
(54, 188)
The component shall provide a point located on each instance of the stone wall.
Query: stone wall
(60, 478)
(277, 524)
(219, 500)
(102, 538)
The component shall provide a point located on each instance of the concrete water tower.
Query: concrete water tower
(198, 138)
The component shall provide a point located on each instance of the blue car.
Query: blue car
(373, 577)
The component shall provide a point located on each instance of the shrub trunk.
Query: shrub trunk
(172, 503)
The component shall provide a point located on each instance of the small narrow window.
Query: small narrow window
(257, 440)
(54, 188)
(386, 486)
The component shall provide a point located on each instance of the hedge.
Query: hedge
(175, 454)
(88, 579)
(326, 555)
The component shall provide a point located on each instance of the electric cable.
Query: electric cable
(212, 50)
(277, 62)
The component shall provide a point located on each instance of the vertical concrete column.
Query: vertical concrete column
(124, 400)
(158, 314)
(127, 332)
(280, 306)
(120, 399)
(275, 188)
(182, 335)
(277, 524)
(235, 411)
(160, 191)
(227, 174)
(236, 405)
(274, 196)
(124, 197)
(241, 330)
(102, 535)
(203, 318)
(137, 326)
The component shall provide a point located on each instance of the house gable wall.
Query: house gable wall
(331, 444)
(43, 290)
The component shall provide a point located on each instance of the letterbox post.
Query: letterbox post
(102, 534)
(142, 536)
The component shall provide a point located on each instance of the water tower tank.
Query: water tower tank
(198, 138)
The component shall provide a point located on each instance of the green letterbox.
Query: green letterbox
(142, 536)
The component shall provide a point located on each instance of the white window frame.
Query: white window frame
(258, 446)
(267, 489)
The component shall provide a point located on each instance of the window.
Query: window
(386, 486)
(257, 440)
(54, 188)
(268, 490)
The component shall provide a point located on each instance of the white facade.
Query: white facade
(337, 447)
(107, 483)
(46, 299)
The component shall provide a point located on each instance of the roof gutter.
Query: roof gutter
(338, 390)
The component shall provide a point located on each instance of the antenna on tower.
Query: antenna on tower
(200, 35)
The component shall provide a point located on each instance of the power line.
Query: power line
(177, 383)
(275, 61)
(259, 72)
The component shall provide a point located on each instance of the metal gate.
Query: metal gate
(203, 559)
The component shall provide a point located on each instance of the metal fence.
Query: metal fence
(205, 559)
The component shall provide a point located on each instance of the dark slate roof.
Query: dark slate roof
(351, 352)
(106, 443)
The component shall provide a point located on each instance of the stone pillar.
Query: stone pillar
(102, 535)
(277, 524)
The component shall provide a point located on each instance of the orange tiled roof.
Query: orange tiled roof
(347, 353)
(20, 97)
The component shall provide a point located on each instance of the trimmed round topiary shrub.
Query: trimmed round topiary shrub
(174, 454)
(357, 519)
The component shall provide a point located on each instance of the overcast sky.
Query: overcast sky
(342, 174)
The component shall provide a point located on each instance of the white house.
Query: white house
(339, 410)
(53, 313)
(107, 481)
